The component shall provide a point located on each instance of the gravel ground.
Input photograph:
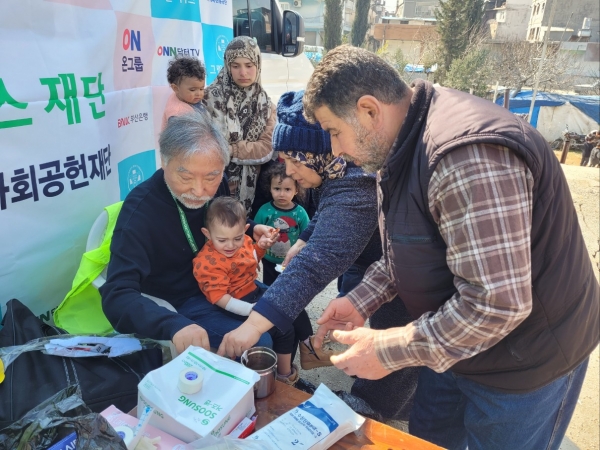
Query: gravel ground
(583, 432)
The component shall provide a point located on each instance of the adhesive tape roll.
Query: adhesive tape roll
(125, 432)
(190, 381)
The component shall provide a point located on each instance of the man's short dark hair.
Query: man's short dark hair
(347, 73)
(185, 66)
(227, 211)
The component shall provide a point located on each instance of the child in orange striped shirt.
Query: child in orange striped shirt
(226, 271)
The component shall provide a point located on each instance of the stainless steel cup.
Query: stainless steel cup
(263, 361)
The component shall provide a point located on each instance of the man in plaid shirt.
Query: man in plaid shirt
(482, 244)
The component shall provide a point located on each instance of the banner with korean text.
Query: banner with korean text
(82, 90)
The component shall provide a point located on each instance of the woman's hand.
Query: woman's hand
(293, 251)
(245, 336)
(244, 153)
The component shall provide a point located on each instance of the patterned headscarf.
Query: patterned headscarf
(242, 113)
(305, 142)
(325, 164)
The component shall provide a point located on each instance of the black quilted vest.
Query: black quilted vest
(563, 327)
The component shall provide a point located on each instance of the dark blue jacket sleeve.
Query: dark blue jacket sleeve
(124, 306)
(346, 221)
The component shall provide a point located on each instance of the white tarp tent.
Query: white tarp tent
(552, 120)
(552, 113)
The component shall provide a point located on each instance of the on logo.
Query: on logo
(132, 40)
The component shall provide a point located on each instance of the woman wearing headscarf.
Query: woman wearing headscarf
(245, 114)
(342, 238)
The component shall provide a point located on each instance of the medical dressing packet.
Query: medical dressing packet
(225, 398)
(316, 424)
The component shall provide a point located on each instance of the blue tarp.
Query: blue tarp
(419, 68)
(314, 56)
(587, 104)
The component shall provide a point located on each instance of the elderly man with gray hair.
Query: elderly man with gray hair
(157, 235)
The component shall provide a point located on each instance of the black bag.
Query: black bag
(59, 421)
(34, 377)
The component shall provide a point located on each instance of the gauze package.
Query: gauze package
(198, 394)
(316, 424)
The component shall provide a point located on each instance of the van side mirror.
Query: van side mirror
(292, 35)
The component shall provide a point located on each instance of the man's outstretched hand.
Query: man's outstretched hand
(340, 314)
(360, 358)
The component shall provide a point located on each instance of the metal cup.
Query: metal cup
(263, 361)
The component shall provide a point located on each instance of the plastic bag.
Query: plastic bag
(88, 346)
(57, 418)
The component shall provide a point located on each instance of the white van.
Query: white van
(82, 90)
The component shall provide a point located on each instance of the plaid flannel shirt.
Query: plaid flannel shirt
(481, 198)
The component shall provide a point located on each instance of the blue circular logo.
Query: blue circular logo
(135, 176)
(191, 376)
(221, 46)
(121, 434)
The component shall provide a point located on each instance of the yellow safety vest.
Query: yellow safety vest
(81, 310)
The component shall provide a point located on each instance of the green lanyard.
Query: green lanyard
(186, 226)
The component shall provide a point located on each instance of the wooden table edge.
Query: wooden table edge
(372, 435)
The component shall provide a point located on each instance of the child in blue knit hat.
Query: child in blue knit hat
(282, 213)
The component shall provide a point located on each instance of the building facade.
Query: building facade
(424, 9)
(408, 35)
(510, 19)
(575, 21)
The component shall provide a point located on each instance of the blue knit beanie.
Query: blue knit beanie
(293, 132)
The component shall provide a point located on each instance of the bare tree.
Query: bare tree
(593, 88)
(430, 50)
(515, 63)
